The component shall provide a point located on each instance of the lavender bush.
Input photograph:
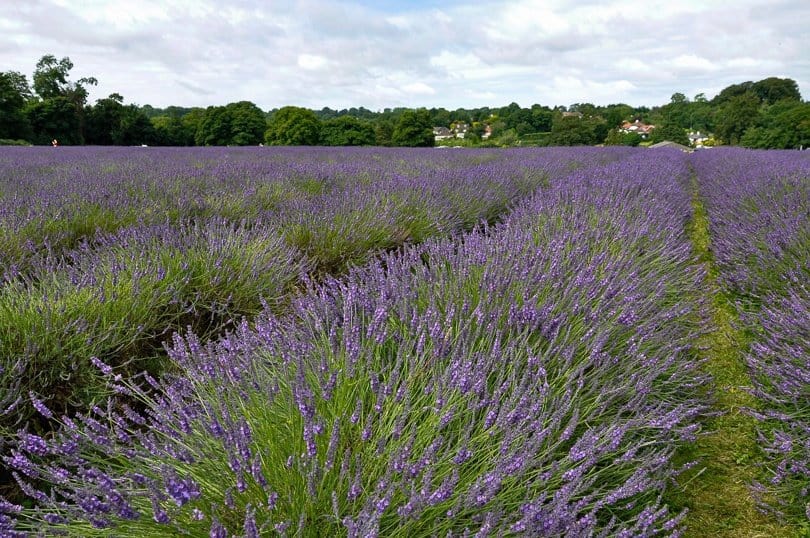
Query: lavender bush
(106, 251)
(530, 378)
(54, 199)
(759, 209)
(119, 298)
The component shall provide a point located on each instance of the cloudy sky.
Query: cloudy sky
(387, 53)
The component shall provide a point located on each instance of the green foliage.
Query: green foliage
(347, 131)
(133, 128)
(785, 125)
(171, 131)
(14, 93)
(773, 89)
(576, 131)
(293, 126)
(54, 118)
(102, 119)
(736, 115)
(384, 132)
(413, 129)
(215, 127)
(247, 123)
(618, 138)
(669, 131)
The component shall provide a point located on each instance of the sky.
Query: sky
(390, 53)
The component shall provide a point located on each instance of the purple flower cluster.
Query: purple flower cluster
(533, 377)
(106, 251)
(759, 208)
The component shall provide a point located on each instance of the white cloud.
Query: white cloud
(311, 62)
(690, 62)
(357, 53)
(419, 88)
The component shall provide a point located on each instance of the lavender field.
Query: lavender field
(376, 342)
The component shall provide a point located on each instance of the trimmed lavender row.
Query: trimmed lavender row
(758, 205)
(121, 297)
(54, 199)
(534, 378)
(62, 208)
(780, 364)
(759, 208)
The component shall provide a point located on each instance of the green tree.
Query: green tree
(347, 131)
(134, 128)
(384, 132)
(247, 123)
(617, 138)
(784, 125)
(14, 93)
(293, 126)
(670, 131)
(53, 118)
(677, 111)
(576, 131)
(413, 129)
(102, 119)
(191, 123)
(215, 127)
(736, 115)
(51, 82)
(773, 89)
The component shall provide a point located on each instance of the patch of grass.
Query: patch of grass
(717, 490)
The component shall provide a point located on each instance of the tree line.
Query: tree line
(769, 113)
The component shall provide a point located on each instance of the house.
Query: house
(670, 144)
(640, 128)
(572, 115)
(442, 133)
(460, 129)
(487, 132)
(697, 138)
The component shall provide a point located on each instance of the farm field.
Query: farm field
(379, 342)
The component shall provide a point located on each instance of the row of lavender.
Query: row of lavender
(106, 252)
(334, 204)
(335, 208)
(530, 378)
(759, 210)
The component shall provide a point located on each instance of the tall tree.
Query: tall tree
(293, 126)
(102, 119)
(773, 89)
(214, 128)
(413, 129)
(736, 115)
(53, 118)
(51, 82)
(14, 93)
(347, 131)
(247, 123)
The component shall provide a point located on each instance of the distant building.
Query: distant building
(670, 144)
(460, 129)
(442, 133)
(572, 115)
(697, 138)
(642, 129)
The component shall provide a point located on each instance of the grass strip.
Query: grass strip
(717, 490)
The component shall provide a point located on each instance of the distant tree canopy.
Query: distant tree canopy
(670, 131)
(768, 113)
(293, 126)
(578, 131)
(347, 131)
(14, 93)
(413, 129)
